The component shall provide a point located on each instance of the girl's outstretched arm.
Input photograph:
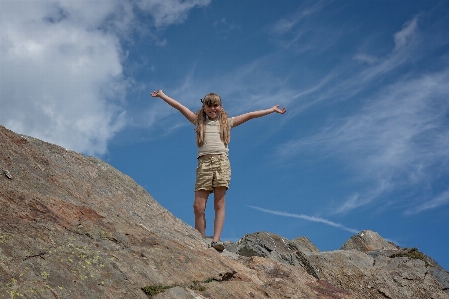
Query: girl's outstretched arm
(238, 120)
(175, 104)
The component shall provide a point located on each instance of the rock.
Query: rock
(374, 245)
(304, 245)
(272, 246)
(265, 244)
(269, 245)
(369, 266)
(72, 226)
(176, 292)
(367, 240)
(7, 174)
(381, 277)
(441, 275)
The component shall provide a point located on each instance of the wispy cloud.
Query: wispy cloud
(408, 32)
(366, 58)
(288, 23)
(440, 200)
(167, 12)
(361, 199)
(308, 218)
(398, 138)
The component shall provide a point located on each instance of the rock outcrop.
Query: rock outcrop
(366, 265)
(368, 241)
(72, 226)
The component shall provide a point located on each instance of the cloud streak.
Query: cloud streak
(308, 218)
(440, 200)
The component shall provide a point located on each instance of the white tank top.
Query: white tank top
(212, 141)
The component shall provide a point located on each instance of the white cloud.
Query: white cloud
(61, 76)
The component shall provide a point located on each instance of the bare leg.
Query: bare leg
(219, 207)
(199, 206)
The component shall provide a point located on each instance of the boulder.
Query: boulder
(367, 240)
(304, 245)
(380, 277)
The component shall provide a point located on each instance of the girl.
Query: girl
(213, 173)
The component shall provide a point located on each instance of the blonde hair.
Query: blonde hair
(201, 117)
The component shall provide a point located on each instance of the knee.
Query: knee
(198, 208)
(219, 204)
(220, 198)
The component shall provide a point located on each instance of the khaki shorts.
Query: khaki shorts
(212, 172)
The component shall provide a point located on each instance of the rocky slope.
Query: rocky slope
(74, 227)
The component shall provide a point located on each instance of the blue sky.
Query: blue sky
(364, 143)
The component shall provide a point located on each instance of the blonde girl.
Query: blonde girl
(213, 173)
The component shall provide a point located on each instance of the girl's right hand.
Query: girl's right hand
(157, 93)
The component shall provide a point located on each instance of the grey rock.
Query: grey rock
(7, 174)
(441, 275)
(367, 240)
(304, 245)
(269, 245)
(381, 277)
(272, 246)
(368, 265)
(230, 246)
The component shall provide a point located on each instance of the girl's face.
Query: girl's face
(212, 110)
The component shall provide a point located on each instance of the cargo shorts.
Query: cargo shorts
(212, 172)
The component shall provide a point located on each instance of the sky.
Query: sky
(364, 144)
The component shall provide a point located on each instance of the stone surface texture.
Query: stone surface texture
(72, 226)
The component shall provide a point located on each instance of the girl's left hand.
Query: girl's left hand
(277, 110)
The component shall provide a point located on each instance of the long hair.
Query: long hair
(225, 130)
